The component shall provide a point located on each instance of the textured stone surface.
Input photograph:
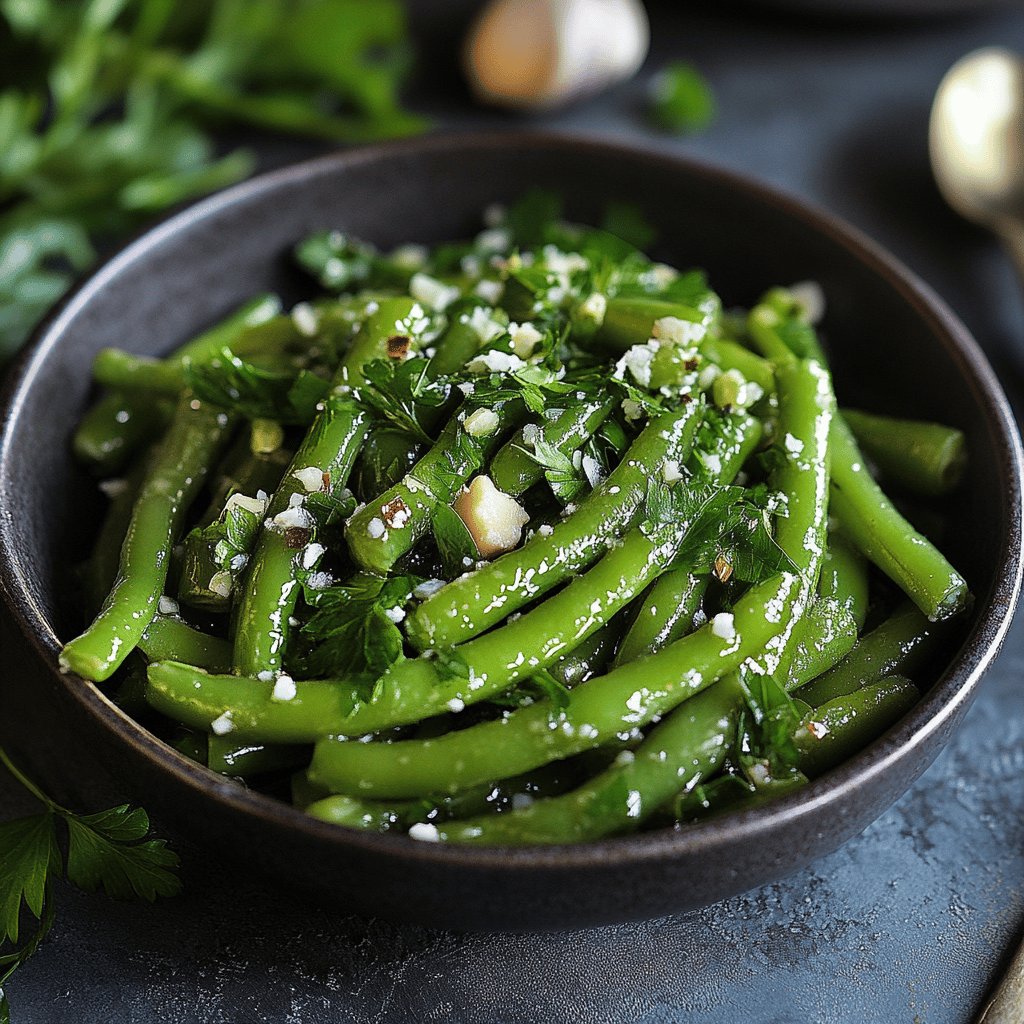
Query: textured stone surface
(907, 923)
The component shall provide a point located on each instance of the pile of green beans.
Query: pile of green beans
(512, 542)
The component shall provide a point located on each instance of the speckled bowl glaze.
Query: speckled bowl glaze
(895, 346)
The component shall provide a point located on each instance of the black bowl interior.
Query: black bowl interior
(894, 347)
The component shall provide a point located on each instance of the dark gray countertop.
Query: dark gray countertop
(910, 922)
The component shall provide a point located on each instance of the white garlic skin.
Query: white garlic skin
(539, 54)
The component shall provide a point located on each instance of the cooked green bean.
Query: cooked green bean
(839, 728)
(196, 436)
(474, 603)
(561, 549)
(924, 458)
(903, 644)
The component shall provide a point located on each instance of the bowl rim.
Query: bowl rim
(931, 714)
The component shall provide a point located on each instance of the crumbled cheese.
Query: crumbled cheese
(167, 605)
(222, 725)
(481, 323)
(319, 580)
(455, 705)
(637, 361)
(712, 462)
(594, 308)
(221, 583)
(493, 240)
(306, 319)
(545, 529)
(707, 376)
(490, 291)
(295, 499)
(410, 256)
(495, 362)
(284, 688)
(673, 331)
(431, 292)
(632, 410)
(531, 434)
(525, 338)
(375, 528)
(723, 625)
(113, 488)
(591, 470)
(311, 477)
(467, 387)
(520, 801)
(266, 676)
(427, 589)
(481, 423)
(494, 519)
(424, 832)
(395, 614)
(311, 555)
(670, 471)
(494, 215)
(811, 297)
(257, 506)
(293, 517)
(238, 562)
(793, 444)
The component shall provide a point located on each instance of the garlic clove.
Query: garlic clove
(494, 519)
(536, 54)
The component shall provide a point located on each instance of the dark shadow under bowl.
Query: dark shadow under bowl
(895, 348)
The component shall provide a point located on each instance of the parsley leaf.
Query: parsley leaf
(350, 633)
(107, 850)
(254, 392)
(400, 393)
(454, 541)
(765, 745)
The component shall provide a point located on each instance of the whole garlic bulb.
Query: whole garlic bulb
(538, 54)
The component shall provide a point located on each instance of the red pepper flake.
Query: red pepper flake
(723, 569)
(296, 537)
(326, 485)
(691, 364)
(398, 346)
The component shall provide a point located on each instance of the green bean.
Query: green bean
(196, 436)
(669, 610)
(631, 789)
(122, 422)
(588, 658)
(117, 427)
(923, 458)
(904, 643)
(169, 639)
(626, 698)
(729, 355)
(460, 341)
(270, 591)
(226, 755)
(390, 525)
(628, 321)
(246, 707)
(514, 470)
(841, 727)
(191, 744)
(386, 456)
(469, 605)
(417, 688)
(844, 577)
(872, 523)
(690, 745)
(823, 637)
(909, 559)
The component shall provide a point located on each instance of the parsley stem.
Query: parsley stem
(28, 784)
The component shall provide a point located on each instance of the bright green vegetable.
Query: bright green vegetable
(924, 458)
(196, 436)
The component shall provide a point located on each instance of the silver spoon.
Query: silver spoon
(976, 139)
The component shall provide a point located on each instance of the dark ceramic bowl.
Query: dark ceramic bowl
(895, 346)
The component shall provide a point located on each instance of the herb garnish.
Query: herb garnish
(108, 850)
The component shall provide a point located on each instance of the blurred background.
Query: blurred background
(113, 112)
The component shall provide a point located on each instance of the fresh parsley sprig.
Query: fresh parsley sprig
(109, 850)
(400, 393)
